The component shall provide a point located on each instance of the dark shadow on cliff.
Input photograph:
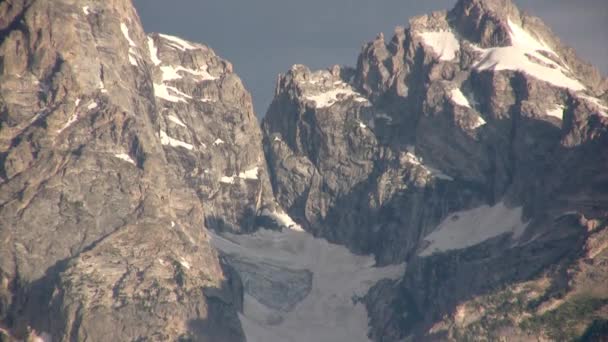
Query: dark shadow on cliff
(223, 305)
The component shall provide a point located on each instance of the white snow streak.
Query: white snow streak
(132, 52)
(167, 140)
(443, 43)
(124, 157)
(458, 97)
(85, 9)
(470, 227)
(176, 120)
(218, 141)
(172, 73)
(92, 105)
(330, 311)
(515, 57)
(153, 51)
(164, 92)
(558, 112)
(282, 219)
(414, 159)
(328, 98)
(249, 174)
(178, 43)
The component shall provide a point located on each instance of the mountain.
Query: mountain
(471, 146)
(451, 186)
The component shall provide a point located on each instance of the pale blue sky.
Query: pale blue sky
(263, 38)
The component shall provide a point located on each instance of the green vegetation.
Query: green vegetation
(568, 321)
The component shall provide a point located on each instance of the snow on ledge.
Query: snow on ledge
(124, 157)
(164, 91)
(132, 52)
(249, 174)
(328, 98)
(557, 112)
(282, 219)
(176, 120)
(153, 51)
(172, 73)
(167, 140)
(519, 55)
(433, 172)
(458, 97)
(218, 141)
(178, 43)
(467, 228)
(443, 43)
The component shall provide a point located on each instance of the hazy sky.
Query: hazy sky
(263, 38)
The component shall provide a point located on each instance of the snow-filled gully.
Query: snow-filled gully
(299, 288)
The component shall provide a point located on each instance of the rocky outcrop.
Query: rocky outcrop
(457, 147)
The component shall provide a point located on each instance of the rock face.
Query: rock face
(113, 145)
(470, 146)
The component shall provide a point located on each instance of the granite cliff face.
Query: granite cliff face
(114, 146)
(451, 186)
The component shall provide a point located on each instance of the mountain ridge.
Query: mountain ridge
(136, 183)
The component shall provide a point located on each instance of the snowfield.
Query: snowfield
(329, 311)
(467, 228)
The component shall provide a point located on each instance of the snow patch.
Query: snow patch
(519, 55)
(479, 121)
(176, 120)
(249, 174)
(218, 141)
(164, 92)
(167, 140)
(331, 310)
(92, 105)
(282, 219)
(69, 123)
(431, 171)
(227, 180)
(178, 43)
(124, 157)
(328, 98)
(172, 73)
(153, 51)
(458, 97)
(558, 112)
(362, 125)
(102, 87)
(471, 227)
(184, 263)
(132, 52)
(85, 9)
(443, 43)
